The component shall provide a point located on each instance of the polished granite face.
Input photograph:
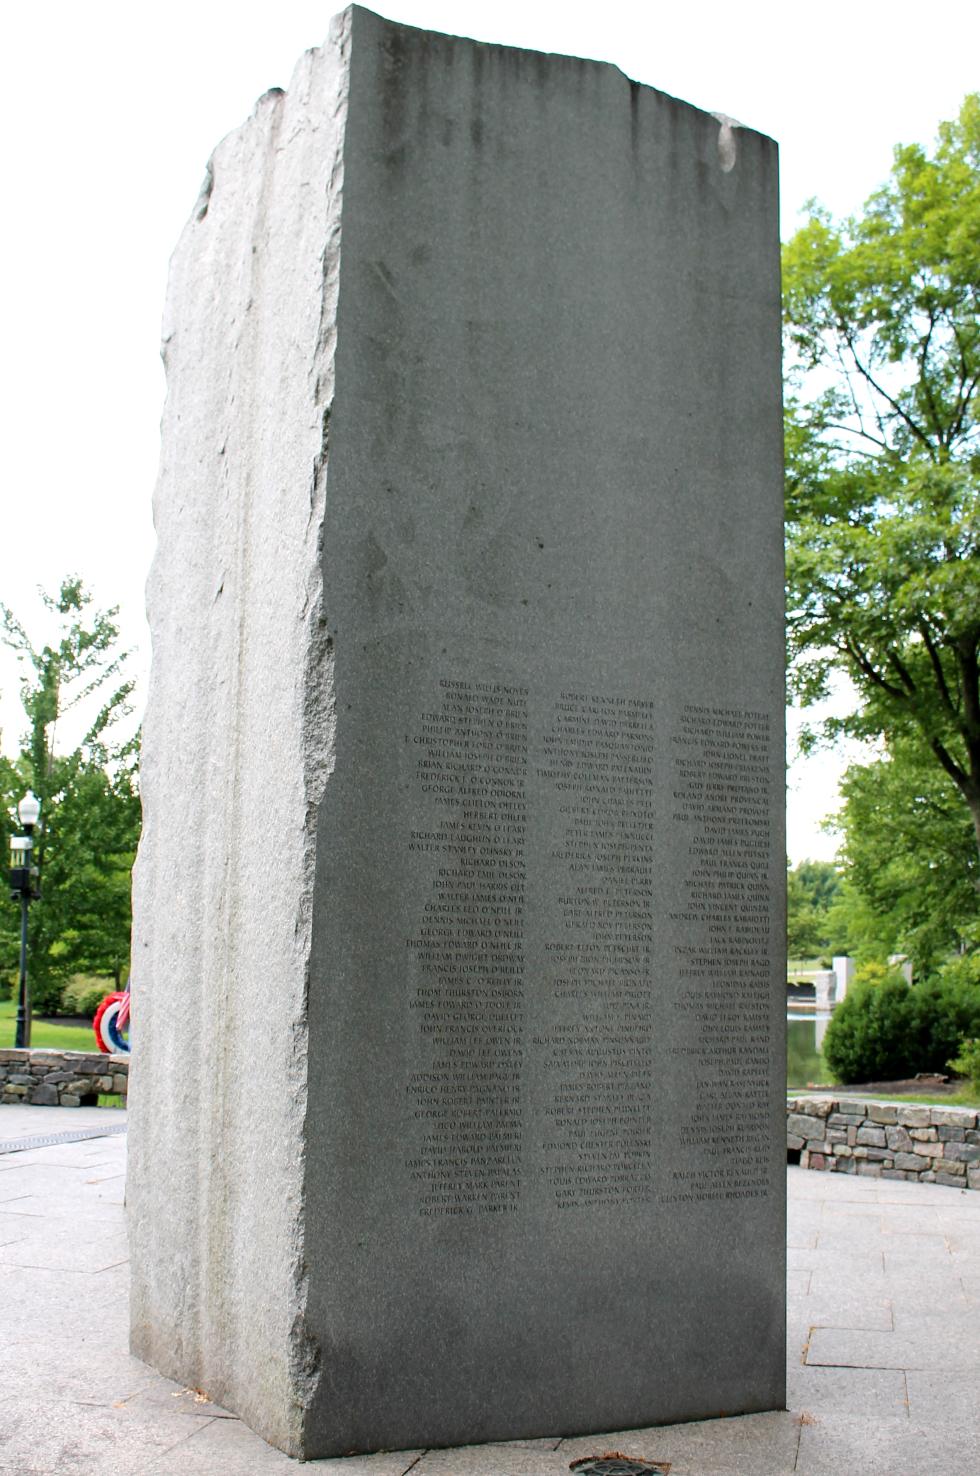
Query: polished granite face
(547, 927)
(526, 700)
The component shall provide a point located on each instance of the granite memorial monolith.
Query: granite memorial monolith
(457, 1097)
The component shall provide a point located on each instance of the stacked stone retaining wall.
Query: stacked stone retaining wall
(885, 1140)
(61, 1078)
(881, 1140)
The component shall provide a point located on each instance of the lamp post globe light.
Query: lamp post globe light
(23, 887)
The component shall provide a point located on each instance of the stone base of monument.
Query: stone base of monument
(463, 765)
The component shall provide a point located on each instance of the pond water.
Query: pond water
(804, 1036)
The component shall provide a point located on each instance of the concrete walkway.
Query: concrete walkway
(884, 1342)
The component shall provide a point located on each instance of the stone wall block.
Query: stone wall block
(963, 1152)
(805, 1125)
(930, 1149)
(954, 1117)
(814, 1106)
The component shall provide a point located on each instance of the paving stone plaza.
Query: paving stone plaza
(883, 1364)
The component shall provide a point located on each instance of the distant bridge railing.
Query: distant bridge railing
(831, 985)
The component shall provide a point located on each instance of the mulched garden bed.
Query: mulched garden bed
(933, 1086)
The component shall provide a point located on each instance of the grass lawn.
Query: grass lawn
(965, 1098)
(45, 1035)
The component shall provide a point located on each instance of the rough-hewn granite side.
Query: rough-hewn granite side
(237, 745)
(886, 1140)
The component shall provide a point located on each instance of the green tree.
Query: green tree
(90, 812)
(811, 888)
(911, 861)
(883, 457)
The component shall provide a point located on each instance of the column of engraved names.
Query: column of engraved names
(467, 951)
(722, 781)
(594, 1054)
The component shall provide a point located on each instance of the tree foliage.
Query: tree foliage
(90, 812)
(811, 889)
(883, 456)
(910, 859)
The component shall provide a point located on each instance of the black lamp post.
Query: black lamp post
(23, 885)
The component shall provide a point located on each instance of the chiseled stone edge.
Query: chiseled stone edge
(233, 774)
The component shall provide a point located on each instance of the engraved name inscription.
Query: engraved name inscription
(594, 1057)
(465, 1091)
(563, 1069)
(722, 764)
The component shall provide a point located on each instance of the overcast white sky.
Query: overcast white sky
(110, 110)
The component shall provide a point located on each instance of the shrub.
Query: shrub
(867, 1038)
(88, 1000)
(885, 1030)
(873, 972)
(83, 994)
(945, 1012)
(967, 1063)
(962, 970)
